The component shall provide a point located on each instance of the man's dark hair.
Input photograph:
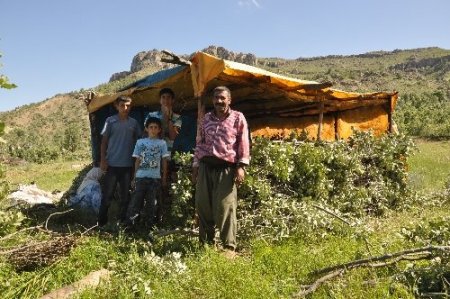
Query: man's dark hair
(152, 120)
(125, 99)
(222, 88)
(166, 90)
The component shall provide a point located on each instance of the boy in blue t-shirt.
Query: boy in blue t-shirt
(150, 153)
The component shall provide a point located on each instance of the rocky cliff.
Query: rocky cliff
(152, 58)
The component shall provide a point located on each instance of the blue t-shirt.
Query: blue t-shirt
(150, 151)
(176, 120)
(122, 136)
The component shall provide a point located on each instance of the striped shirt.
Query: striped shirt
(226, 139)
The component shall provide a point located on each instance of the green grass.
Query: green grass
(275, 271)
(143, 270)
(48, 177)
(430, 166)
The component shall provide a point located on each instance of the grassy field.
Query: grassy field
(177, 267)
(430, 166)
(48, 177)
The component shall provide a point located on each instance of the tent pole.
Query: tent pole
(390, 120)
(319, 130)
(200, 115)
(336, 125)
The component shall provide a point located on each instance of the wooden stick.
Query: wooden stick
(390, 111)
(319, 129)
(164, 233)
(410, 255)
(333, 214)
(56, 213)
(19, 231)
(313, 287)
(91, 280)
(383, 257)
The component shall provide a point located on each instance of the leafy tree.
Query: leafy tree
(4, 81)
(72, 138)
(9, 219)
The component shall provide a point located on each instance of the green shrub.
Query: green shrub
(424, 115)
(286, 181)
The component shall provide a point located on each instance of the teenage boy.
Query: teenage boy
(170, 125)
(170, 121)
(150, 153)
(119, 136)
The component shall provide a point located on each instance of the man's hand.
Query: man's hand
(166, 112)
(194, 175)
(103, 165)
(240, 174)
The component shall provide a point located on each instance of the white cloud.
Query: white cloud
(249, 3)
(256, 3)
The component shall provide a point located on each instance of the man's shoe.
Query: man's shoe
(229, 254)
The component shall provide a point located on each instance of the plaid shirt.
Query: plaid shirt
(226, 139)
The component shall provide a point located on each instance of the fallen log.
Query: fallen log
(91, 280)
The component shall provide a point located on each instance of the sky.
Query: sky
(50, 47)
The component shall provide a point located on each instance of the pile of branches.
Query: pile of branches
(41, 254)
(36, 254)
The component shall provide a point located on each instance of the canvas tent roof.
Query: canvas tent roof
(275, 106)
(255, 91)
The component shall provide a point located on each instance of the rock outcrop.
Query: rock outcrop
(221, 52)
(152, 58)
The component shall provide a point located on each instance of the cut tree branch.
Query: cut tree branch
(413, 254)
(20, 231)
(332, 214)
(56, 213)
(352, 264)
(164, 233)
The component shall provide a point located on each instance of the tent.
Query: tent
(274, 105)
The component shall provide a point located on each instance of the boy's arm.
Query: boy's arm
(137, 163)
(103, 149)
(172, 126)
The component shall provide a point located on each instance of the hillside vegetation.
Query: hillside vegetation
(59, 127)
(362, 218)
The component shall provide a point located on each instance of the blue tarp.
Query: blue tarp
(155, 78)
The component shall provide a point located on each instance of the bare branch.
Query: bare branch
(352, 264)
(421, 256)
(20, 231)
(56, 213)
(413, 254)
(174, 59)
(89, 229)
(15, 249)
(333, 214)
(164, 233)
(313, 287)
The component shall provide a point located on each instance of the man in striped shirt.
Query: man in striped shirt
(221, 153)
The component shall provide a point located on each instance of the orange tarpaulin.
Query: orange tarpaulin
(273, 104)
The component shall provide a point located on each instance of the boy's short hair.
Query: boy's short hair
(166, 90)
(152, 120)
(125, 99)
